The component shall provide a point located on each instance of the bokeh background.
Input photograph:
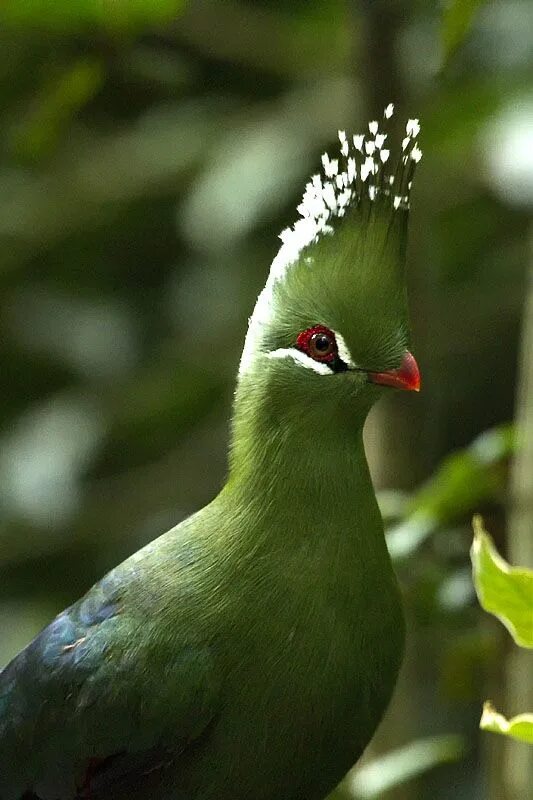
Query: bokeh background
(150, 153)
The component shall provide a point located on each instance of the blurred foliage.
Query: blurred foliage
(464, 480)
(150, 153)
(372, 780)
(506, 592)
(457, 21)
(65, 16)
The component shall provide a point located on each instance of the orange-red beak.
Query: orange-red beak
(406, 376)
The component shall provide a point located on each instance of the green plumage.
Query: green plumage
(251, 651)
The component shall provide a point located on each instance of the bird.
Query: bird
(251, 651)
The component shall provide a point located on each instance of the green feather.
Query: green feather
(251, 650)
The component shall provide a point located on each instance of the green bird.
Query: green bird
(251, 651)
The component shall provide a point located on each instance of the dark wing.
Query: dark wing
(98, 696)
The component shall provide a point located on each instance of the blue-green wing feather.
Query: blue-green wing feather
(101, 687)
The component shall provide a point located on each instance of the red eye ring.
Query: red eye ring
(318, 343)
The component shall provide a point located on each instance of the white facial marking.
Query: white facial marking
(302, 359)
(344, 353)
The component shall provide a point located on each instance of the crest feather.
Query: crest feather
(360, 177)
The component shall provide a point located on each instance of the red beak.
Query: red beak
(407, 376)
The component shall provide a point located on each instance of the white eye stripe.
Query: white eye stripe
(302, 359)
(344, 353)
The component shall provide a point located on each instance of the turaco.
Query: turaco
(250, 651)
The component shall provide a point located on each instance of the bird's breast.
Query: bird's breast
(309, 686)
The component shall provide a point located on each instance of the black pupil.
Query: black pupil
(322, 342)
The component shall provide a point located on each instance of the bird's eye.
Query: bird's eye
(319, 343)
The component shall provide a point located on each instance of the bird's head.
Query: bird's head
(330, 328)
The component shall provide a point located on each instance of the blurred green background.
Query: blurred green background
(150, 153)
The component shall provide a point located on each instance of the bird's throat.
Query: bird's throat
(301, 482)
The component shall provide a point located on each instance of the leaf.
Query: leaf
(375, 778)
(56, 104)
(466, 478)
(463, 481)
(66, 15)
(505, 591)
(519, 727)
(456, 22)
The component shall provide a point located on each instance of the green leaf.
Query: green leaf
(456, 22)
(69, 15)
(55, 104)
(462, 482)
(506, 592)
(519, 727)
(375, 778)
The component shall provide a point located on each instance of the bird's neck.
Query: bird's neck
(297, 476)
